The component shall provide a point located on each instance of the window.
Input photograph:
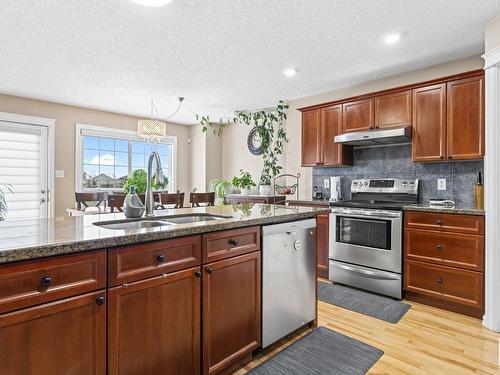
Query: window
(108, 156)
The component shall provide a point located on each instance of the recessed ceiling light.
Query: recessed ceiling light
(289, 72)
(392, 38)
(152, 3)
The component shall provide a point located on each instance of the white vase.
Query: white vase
(246, 191)
(265, 190)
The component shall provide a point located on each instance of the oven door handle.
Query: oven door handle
(369, 273)
(367, 217)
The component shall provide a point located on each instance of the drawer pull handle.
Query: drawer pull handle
(210, 270)
(99, 300)
(160, 258)
(439, 222)
(46, 281)
(233, 242)
(440, 247)
(197, 274)
(440, 280)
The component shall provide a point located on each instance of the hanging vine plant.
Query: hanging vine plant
(268, 126)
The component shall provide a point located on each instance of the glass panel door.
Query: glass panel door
(372, 233)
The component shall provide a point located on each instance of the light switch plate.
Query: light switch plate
(59, 173)
(326, 183)
(441, 183)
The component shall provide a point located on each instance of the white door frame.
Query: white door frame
(491, 317)
(49, 124)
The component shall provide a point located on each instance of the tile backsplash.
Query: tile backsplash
(395, 161)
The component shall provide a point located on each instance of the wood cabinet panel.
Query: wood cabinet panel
(63, 337)
(465, 224)
(393, 110)
(34, 282)
(231, 310)
(465, 123)
(446, 283)
(311, 128)
(331, 153)
(448, 249)
(136, 262)
(358, 115)
(230, 243)
(322, 244)
(154, 326)
(429, 123)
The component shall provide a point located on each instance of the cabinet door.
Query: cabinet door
(311, 138)
(322, 245)
(393, 110)
(63, 337)
(154, 325)
(429, 123)
(231, 310)
(465, 125)
(358, 115)
(333, 154)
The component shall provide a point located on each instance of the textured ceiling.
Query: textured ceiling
(222, 54)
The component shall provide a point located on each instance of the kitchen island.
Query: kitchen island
(175, 298)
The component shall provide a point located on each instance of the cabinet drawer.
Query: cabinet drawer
(466, 224)
(449, 249)
(230, 243)
(450, 284)
(135, 262)
(34, 282)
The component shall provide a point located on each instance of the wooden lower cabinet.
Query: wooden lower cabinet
(231, 314)
(322, 244)
(154, 325)
(63, 337)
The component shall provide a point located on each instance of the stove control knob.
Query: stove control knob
(412, 184)
(366, 183)
(405, 184)
(355, 183)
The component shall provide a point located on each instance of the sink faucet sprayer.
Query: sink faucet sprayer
(158, 180)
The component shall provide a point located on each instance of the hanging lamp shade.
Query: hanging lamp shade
(152, 130)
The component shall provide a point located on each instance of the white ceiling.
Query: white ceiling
(222, 54)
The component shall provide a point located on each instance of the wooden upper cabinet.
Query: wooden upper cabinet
(333, 154)
(393, 110)
(465, 132)
(429, 123)
(154, 325)
(231, 314)
(63, 337)
(311, 138)
(358, 115)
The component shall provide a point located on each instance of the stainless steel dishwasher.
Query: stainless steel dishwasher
(288, 278)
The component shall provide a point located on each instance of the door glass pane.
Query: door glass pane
(364, 232)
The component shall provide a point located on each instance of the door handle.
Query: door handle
(42, 200)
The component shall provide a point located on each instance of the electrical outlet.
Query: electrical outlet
(441, 183)
(59, 173)
(326, 183)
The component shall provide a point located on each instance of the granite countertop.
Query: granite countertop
(462, 210)
(236, 195)
(30, 239)
(317, 202)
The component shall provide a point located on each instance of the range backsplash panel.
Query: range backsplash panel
(395, 161)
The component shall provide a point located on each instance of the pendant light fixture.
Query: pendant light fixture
(153, 130)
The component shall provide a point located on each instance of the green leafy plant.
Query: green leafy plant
(270, 129)
(219, 186)
(4, 189)
(139, 178)
(244, 181)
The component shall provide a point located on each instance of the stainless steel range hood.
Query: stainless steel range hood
(375, 137)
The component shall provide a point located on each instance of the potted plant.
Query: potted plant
(265, 187)
(244, 182)
(139, 178)
(219, 186)
(3, 202)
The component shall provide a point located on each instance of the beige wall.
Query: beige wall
(492, 34)
(235, 154)
(66, 117)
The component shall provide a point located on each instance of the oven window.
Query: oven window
(364, 232)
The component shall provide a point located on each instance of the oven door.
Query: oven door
(370, 238)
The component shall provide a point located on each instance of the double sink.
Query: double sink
(158, 221)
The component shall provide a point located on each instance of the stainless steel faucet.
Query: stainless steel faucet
(158, 180)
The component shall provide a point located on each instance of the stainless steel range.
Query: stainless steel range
(366, 235)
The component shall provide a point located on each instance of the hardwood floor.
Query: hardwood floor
(427, 340)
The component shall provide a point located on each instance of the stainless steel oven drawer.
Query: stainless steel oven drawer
(383, 282)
